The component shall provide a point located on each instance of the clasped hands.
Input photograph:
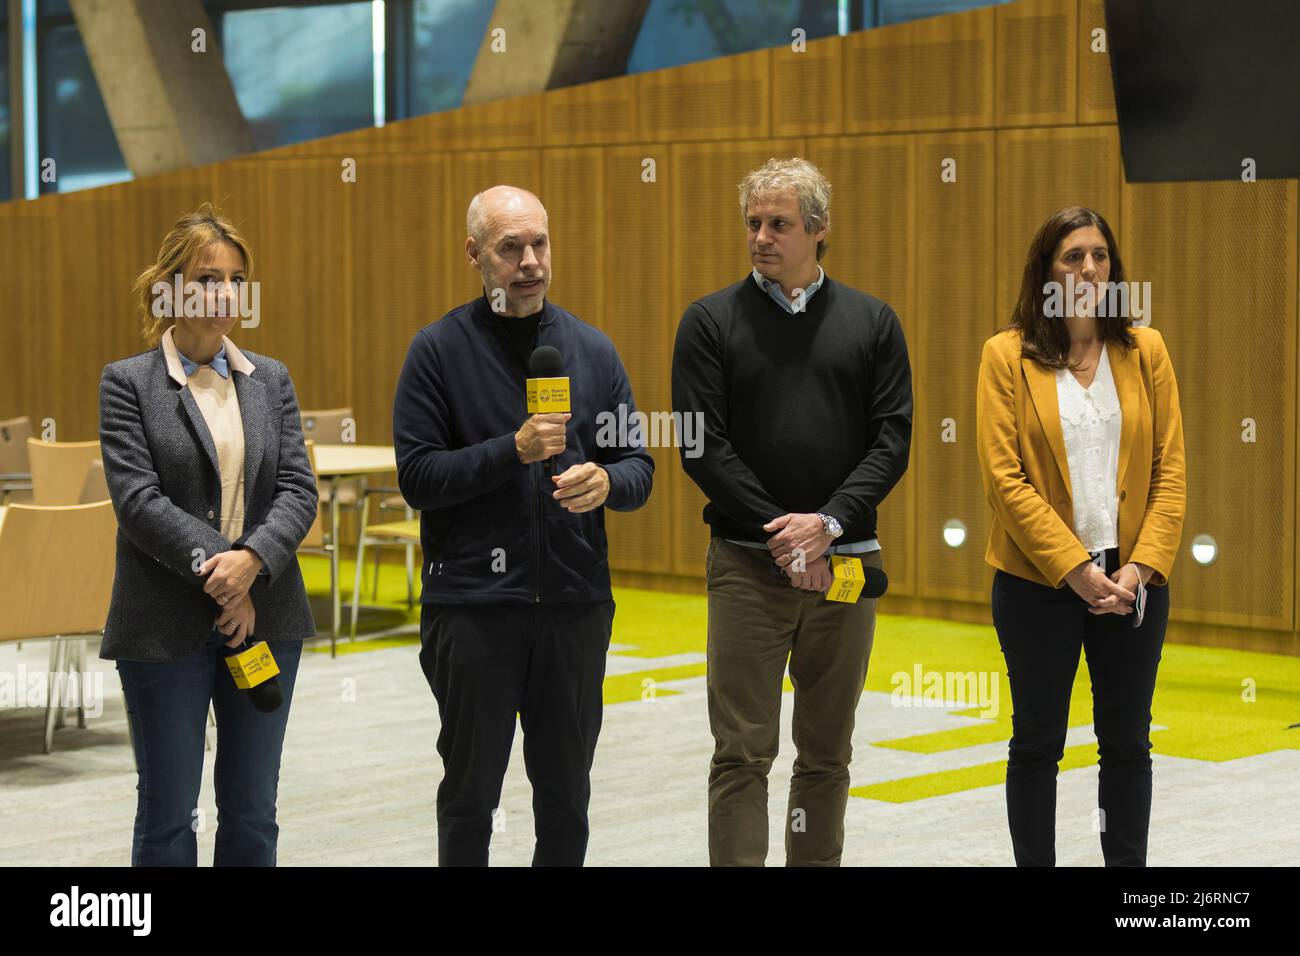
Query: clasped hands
(1108, 595)
(796, 534)
(232, 575)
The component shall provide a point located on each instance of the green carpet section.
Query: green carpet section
(964, 778)
(1214, 703)
(391, 595)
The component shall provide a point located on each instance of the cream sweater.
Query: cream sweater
(219, 403)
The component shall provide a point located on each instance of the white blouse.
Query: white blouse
(1090, 419)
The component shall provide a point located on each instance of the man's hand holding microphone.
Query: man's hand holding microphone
(581, 487)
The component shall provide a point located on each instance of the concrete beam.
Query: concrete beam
(171, 106)
(555, 44)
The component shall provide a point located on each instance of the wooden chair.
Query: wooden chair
(56, 577)
(59, 470)
(95, 487)
(15, 472)
(392, 533)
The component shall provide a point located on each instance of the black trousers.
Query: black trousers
(1041, 630)
(485, 663)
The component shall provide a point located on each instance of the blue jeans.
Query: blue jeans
(167, 705)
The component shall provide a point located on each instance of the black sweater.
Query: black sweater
(810, 412)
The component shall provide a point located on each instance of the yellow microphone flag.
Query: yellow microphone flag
(547, 395)
(253, 666)
(849, 579)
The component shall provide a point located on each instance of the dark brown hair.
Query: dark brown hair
(1044, 339)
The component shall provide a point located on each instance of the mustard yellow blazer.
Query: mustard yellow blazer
(1026, 475)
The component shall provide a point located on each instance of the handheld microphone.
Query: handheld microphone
(253, 668)
(547, 389)
(874, 582)
(854, 580)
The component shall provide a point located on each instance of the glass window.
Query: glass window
(73, 127)
(685, 31)
(4, 103)
(445, 39)
(901, 11)
(300, 72)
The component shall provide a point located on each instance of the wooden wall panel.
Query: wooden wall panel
(636, 315)
(1040, 171)
(402, 136)
(603, 112)
(924, 75)
(1221, 260)
(154, 204)
(1036, 62)
(1096, 88)
(301, 246)
(727, 98)
(239, 187)
(33, 286)
(808, 89)
(470, 173)
(573, 193)
(713, 255)
(954, 316)
(400, 275)
(95, 311)
(873, 233)
(502, 124)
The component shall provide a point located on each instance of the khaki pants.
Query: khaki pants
(756, 621)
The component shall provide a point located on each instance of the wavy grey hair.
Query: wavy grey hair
(812, 189)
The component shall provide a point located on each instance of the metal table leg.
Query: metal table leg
(334, 561)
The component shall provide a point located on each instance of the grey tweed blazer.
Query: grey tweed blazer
(161, 466)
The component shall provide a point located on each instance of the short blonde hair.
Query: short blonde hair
(189, 238)
(812, 189)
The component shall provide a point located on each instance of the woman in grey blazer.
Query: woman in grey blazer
(206, 465)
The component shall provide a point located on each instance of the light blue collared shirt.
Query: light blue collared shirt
(774, 290)
(218, 363)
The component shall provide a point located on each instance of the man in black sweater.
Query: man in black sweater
(806, 394)
(517, 609)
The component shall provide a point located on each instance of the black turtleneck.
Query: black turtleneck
(520, 330)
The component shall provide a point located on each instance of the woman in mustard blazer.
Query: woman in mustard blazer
(1080, 444)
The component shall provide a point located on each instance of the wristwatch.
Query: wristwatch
(830, 525)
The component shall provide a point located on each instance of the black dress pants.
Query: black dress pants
(485, 663)
(1041, 631)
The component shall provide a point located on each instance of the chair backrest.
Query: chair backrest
(59, 470)
(14, 433)
(316, 534)
(56, 569)
(95, 487)
(325, 425)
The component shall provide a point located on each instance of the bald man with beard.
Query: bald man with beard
(516, 611)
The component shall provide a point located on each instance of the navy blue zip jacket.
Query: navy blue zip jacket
(490, 529)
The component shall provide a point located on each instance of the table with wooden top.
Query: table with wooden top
(337, 463)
